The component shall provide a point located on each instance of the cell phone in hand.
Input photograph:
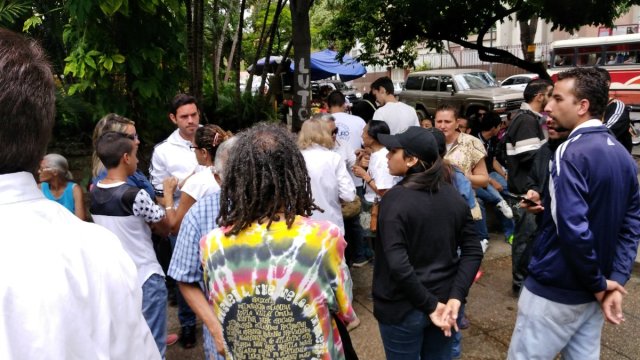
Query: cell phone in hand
(520, 198)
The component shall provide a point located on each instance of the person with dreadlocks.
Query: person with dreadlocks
(275, 277)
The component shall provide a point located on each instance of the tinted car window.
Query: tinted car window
(444, 81)
(508, 81)
(430, 83)
(414, 83)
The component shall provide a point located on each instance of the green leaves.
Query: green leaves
(10, 11)
(110, 7)
(31, 22)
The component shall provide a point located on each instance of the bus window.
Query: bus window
(563, 57)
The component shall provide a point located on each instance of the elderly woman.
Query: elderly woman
(56, 184)
(277, 280)
(330, 181)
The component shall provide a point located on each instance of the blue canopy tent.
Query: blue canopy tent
(324, 65)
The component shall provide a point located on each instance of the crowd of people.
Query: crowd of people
(264, 225)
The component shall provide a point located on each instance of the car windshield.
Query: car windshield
(475, 80)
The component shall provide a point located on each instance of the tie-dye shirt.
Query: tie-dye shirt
(273, 290)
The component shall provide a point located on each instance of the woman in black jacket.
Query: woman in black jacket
(419, 279)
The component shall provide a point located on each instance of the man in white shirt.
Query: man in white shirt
(174, 157)
(399, 116)
(70, 290)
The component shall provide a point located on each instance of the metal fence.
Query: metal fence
(469, 58)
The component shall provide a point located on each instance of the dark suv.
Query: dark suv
(465, 89)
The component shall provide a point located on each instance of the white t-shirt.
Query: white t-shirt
(379, 172)
(330, 183)
(349, 129)
(201, 184)
(69, 290)
(399, 116)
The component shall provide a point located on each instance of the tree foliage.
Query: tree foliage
(389, 29)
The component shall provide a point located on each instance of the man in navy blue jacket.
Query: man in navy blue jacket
(590, 230)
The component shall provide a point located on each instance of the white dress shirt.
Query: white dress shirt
(68, 288)
(330, 182)
(379, 172)
(172, 157)
(201, 184)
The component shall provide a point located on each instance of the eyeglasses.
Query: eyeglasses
(132, 137)
(41, 170)
(193, 147)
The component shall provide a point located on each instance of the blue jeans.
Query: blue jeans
(186, 316)
(154, 309)
(491, 196)
(456, 348)
(415, 338)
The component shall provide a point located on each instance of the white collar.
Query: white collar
(17, 187)
(176, 139)
(526, 106)
(587, 124)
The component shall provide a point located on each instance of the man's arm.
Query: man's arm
(158, 169)
(628, 237)
(524, 140)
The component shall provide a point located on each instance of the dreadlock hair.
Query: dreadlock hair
(209, 137)
(266, 174)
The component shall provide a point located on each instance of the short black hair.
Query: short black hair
(181, 100)
(590, 85)
(489, 121)
(111, 146)
(535, 87)
(27, 103)
(383, 82)
(377, 127)
(604, 73)
(336, 98)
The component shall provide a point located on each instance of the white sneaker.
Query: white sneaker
(505, 209)
(485, 245)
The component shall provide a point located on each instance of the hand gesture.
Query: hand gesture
(438, 319)
(169, 185)
(451, 312)
(535, 197)
(612, 307)
(359, 171)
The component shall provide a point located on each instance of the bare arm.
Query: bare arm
(78, 202)
(186, 202)
(198, 303)
(479, 176)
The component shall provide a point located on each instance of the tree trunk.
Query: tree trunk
(214, 58)
(259, 49)
(190, 42)
(301, 38)
(227, 74)
(455, 61)
(272, 33)
(239, 51)
(219, 49)
(528, 28)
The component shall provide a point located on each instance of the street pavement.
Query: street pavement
(491, 311)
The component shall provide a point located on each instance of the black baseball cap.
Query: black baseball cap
(416, 141)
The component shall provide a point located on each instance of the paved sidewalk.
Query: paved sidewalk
(491, 310)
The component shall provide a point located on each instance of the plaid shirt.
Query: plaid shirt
(185, 262)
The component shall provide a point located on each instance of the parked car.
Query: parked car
(518, 82)
(350, 93)
(465, 89)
